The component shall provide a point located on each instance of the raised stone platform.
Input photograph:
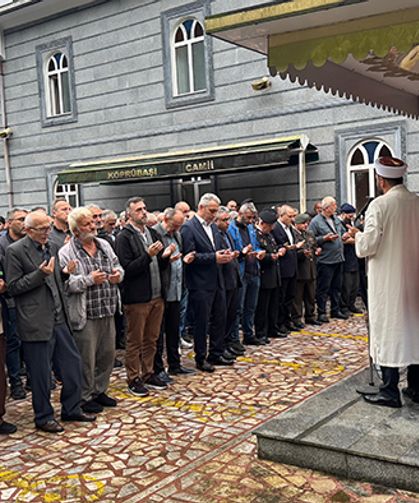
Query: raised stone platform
(337, 432)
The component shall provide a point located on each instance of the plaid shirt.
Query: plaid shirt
(101, 299)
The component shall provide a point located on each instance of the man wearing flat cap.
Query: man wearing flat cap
(390, 242)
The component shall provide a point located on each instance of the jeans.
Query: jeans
(329, 282)
(248, 296)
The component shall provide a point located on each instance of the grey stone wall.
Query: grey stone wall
(119, 87)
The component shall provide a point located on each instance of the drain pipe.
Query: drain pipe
(5, 134)
(304, 141)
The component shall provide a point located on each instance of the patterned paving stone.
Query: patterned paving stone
(193, 441)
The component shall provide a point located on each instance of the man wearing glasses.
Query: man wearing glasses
(34, 280)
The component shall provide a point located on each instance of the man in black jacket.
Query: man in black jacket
(143, 257)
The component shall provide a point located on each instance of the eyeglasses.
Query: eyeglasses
(42, 230)
(96, 217)
(227, 219)
(21, 219)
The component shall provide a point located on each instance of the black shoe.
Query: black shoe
(235, 351)
(92, 407)
(312, 321)
(105, 400)
(264, 340)
(284, 330)
(221, 361)
(381, 399)
(155, 382)
(228, 355)
(79, 418)
(205, 366)
(279, 335)
(251, 342)
(17, 392)
(137, 388)
(322, 318)
(117, 364)
(237, 346)
(7, 428)
(339, 315)
(295, 327)
(181, 371)
(299, 325)
(355, 310)
(50, 426)
(164, 376)
(412, 394)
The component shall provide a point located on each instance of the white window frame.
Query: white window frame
(67, 190)
(188, 42)
(50, 83)
(351, 170)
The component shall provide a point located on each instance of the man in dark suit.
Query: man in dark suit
(284, 235)
(34, 280)
(205, 282)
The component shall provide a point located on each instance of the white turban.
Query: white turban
(390, 167)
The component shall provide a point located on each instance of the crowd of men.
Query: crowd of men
(79, 283)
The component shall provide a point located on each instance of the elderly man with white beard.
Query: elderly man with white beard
(390, 242)
(94, 272)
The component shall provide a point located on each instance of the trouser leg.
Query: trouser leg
(105, 355)
(3, 384)
(261, 315)
(336, 288)
(136, 315)
(171, 324)
(324, 279)
(249, 306)
(158, 357)
(217, 325)
(13, 346)
(309, 299)
(413, 377)
(232, 304)
(200, 301)
(390, 385)
(38, 360)
(152, 330)
(297, 305)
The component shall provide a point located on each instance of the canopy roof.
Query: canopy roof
(260, 154)
(361, 49)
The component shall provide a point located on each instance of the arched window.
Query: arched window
(361, 179)
(69, 191)
(188, 57)
(58, 85)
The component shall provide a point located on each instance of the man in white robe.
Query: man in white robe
(390, 242)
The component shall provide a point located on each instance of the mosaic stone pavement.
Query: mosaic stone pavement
(193, 441)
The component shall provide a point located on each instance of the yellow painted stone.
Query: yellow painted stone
(275, 481)
(297, 480)
(323, 486)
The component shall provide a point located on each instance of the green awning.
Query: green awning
(255, 155)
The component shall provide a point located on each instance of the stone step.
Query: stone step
(337, 432)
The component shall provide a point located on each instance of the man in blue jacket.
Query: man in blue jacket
(243, 235)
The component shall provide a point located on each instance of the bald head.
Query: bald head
(38, 225)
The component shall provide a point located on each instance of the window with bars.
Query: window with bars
(69, 191)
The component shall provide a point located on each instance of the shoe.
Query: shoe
(381, 399)
(236, 346)
(221, 361)
(7, 428)
(205, 366)
(339, 315)
(117, 364)
(251, 342)
(312, 321)
(164, 376)
(284, 330)
(181, 371)
(105, 400)
(355, 310)
(299, 325)
(412, 394)
(265, 340)
(279, 335)
(155, 382)
(185, 344)
(322, 318)
(137, 388)
(228, 355)
(235, 351)
(92, 407)
(17, 392)
(50, 426)
(79, 418)
(295, 327)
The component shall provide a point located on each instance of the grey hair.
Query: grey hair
(91, 206)
(208, 198)
(221, 210)
(284, 208)
(12, 212)
(108, 213)
(327, 201)
(77, 214)
(132, 200)
(248, 207)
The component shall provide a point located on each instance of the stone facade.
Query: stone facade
(123, 106)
